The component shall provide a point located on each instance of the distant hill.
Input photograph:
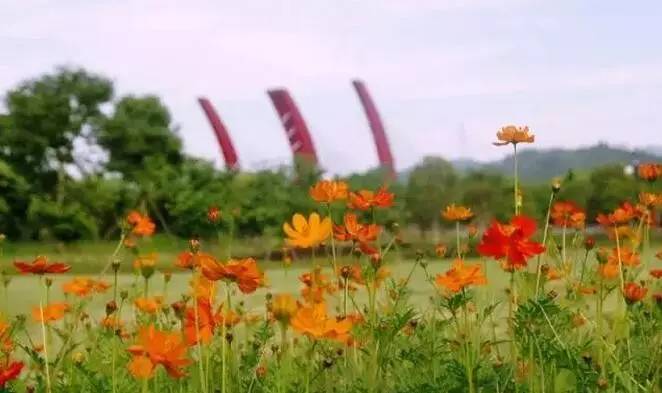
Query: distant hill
(544, 164)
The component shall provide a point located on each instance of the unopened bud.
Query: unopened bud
(111, 307)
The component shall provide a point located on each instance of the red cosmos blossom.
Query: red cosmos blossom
(365, 199)
(10, 372)
(657, 273)
(353, 230)
(41, 266)
(621, 215)
(634, 292)
(511, 242)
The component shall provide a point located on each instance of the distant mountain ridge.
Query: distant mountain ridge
(543, 164)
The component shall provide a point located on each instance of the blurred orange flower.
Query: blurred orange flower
(608, 270)
(149, 305)
(307, 233)
(440, 250)
(316, 287)
(156, 347)
(41, 266)
(51, 312)
(189, 260)
(358, 277)
(514, 134)
(213, 214)
(649, 171)
(355, 231)
(650, 199)
(567, 214)
(83, 287)
(511, 242)
(313, 321)
(141, 224)
(634, 292)
(327, 191)
(460, 276)
(283, 307)
(628, 257)
(366, 199)
(243, 272)
(206, 323)
(621, 215)
(455, 212)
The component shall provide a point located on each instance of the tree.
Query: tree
(431, 186)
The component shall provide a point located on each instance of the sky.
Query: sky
(445, 74)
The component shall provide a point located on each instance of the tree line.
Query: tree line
(74, 158)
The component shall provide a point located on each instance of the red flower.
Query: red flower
(365, 199)
(41, 266)
(511, 242)
(634, 292)
(9, 373)
(244, 273)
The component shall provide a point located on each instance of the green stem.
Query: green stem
(544, 242)
(457, 239)
(515, 172)
(44, 340)
(333, 242)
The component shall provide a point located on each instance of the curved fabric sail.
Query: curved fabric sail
(377, 127)
(295, 126)
(222, 135)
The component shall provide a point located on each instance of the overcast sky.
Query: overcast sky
(445, 74)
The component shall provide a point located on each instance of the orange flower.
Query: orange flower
(634, 292)
(9, 371)
(83, 287)
(206, 323)
(650, 199)
(313, 321)
(440, 250)
(365, 199)
(149, 305)
(354, 231)
(358, 277)
(454, 212)
(608, 270)
(244, 273)
(142, 225)
(649, 171)
(511, 242)
(628, 257)
(657, 273)
(41, 266)
(586, 290)
(51, 312)
(327, 191)
(567, 214)
(283, 307)
(155, 348)
(213, 214)
(316, 286)
(553, 274)
(189, 260)
(514, 134)
(461, 276)
(201, 287)
(307, 233)
(621, 215)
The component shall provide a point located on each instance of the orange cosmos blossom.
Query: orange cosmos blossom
(567, 214)
(621, 215)
(156, 347)
(316, 286)
(141, 224)
(460, 276)
(314, 322)
(514, 134)
(355, 231)
(213, 214)
(628, 257)
(189, 260)
(83, 287)
(149, 305)
(307, 233)
(327, 191)
(511, 242)
(441, 250)
(9, 372)
(207, 322)
(51, 312)
(366, 199)
(243, 272)
(41, 266)
(649, 171)
(650, 199)
(634, 292)
(455, 212)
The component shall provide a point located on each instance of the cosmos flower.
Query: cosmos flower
(514, 134)
(307, 233)
(567, 214)
(41, 266)
(141, 225)
(511, 242)
(327, 191)
(83, 287)
(154, 348)
(313, 321)
(355, 231)
(649, 171)
(9, 372)
(243, 272)
(51, 312)
(634, 292)
(460, 276)
(455, 212)
(366, 199)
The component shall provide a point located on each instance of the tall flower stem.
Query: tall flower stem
(511, 318)
(203, 377)
(44, 340)
(515, 173)
(333, 242)
(457, 239)
(544, 241)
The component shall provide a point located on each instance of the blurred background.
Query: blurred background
(101, 110)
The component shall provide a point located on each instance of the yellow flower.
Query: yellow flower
(457, 213)
(513, 134)
(307, 233)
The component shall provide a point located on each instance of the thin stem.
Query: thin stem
(516, 197)
(45, 341)
(333, 242)
(544, 242)
(457, 239)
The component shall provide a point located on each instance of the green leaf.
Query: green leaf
(565, 381)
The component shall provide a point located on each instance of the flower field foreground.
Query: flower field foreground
(573, 316)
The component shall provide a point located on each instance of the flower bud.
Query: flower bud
(111, 307)
(589, 243)
(556, 186)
